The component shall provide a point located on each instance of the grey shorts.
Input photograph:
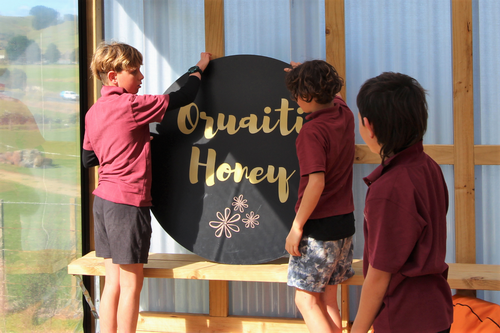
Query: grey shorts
(322, 263)
(121, 232)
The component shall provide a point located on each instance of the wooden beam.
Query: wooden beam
(463, 114)
(335, 37)
(186, 266)
(182, 323)
(363, 155)
(214, 28)
(487, 155)
(442, 154)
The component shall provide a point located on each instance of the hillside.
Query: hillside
(11, 26)
(66, 42)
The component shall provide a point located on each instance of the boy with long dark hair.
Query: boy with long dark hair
(405, 288)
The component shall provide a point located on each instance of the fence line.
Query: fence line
(40, 203)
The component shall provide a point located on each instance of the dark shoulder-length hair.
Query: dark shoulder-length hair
(395, 105)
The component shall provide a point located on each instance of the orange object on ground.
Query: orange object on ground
(473, 315)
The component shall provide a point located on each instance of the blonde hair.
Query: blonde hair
(115, 57)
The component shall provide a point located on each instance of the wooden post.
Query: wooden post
(214, 28)
(94, 37)
(214, 43)
(218, 298)
(94, 25)
(335, 37)
(463, 114)
(335, 55)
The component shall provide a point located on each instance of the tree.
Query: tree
(33, 53)
(52, 54)
(74, 55)
(43, 17)
(70, 17)
(16, 47)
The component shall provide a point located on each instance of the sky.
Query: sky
(22, 7)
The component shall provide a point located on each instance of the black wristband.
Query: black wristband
(195, 69)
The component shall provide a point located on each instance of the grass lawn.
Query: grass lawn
(41, 224)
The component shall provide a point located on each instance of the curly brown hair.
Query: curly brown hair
(116, 57)
(314, 80)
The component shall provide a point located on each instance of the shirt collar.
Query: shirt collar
(402, 157)
(322, 112)
(112, 90)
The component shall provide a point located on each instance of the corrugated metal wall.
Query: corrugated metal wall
(411, 36)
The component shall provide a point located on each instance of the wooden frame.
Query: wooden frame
(463, 113)
(191, 266)
(463, 154)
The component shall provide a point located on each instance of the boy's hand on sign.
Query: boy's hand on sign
(293, 64)
(204, 60)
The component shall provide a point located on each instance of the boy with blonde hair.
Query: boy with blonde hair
(117, 139)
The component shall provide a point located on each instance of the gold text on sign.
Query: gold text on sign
(225, 171)
(187, 121)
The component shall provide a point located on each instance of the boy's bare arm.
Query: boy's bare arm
(202, 63)
(372, 295)
(312, 193)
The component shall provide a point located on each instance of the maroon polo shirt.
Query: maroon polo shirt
(405, 235)
(117, 130)
(326, 144)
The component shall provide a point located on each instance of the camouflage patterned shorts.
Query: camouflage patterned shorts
(322, 263)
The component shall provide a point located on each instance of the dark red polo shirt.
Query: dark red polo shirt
(117, 130)
(326, 144)
(405, 235)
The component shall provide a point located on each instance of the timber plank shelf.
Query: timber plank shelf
(190, 266)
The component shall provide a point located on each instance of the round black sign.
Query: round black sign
(225, 171)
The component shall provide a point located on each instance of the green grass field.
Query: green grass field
(41, 226)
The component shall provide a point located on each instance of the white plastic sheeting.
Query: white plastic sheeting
(486, 25)
(411, 36)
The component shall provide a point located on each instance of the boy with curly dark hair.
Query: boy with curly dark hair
(320, 239)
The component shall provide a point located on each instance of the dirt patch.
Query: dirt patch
(48, 185)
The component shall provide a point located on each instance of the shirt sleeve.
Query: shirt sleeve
(311, 152)
(185, 95)
(392, 234)
(89, 158)
(149, 108)
(86, 141)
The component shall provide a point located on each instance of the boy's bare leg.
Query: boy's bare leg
(131, 281)
(329, 299)
(109, 299)
(314, 311)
